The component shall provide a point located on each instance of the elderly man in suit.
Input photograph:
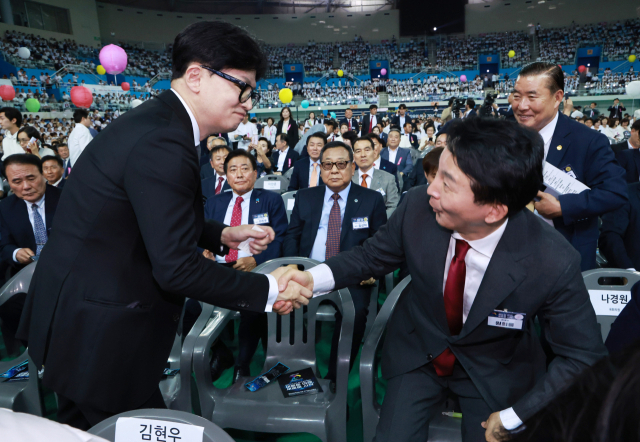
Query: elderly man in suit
(209, 168)
(332, 218)
(216, 183)
(367, 175)
(247, 205)
(306, 172)
(482, 268)
(399, 156)
(575, 149)
(25, 224)
(283, 157)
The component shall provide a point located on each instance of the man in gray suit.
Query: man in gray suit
(483, 268)
(368, 176)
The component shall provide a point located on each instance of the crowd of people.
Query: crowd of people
(462, 53)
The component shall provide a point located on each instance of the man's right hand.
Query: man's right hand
(24, 256)
(292, 294)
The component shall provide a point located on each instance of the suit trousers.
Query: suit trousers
(84, 417)
(414, 398)
(253, 327)
(10, 313)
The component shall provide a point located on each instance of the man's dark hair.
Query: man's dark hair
(11, 113)
(451, 100)
(272, 120)
(402, 106)
(217, 45)
(53, 158)
(79, 114)
(373, 106)
(351, 136)
(502, 159)
(320, 135)
(218, 148)
(240, 153)
(471, 103)
(552, 71)
(283, 137)
(31, 132)
(368, 139)
(615, 99)
(408, 123)
(331, 123)
(373, 136)
(333, 145)
(23, 159)
(636, 125)
(593, 102)
(431, 160)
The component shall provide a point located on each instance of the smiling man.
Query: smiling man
(110, 286)
(474, 254)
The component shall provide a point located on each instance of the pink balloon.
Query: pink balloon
(81, 96)
(463, 78)
(125, 86)
(581, 68)
(114, 59)
(383, 71)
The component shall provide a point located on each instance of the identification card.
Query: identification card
(130, 429)
(502, 319)
(261, 218)
(381, 190)
(271, 185)
(360, 223)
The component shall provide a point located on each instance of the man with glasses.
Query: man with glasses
(333, 218)
(109, 288)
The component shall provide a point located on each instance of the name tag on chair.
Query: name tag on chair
(502, 319)
(360, 223)
(261, 218)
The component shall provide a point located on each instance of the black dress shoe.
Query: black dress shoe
(239, 372)
(221, 359)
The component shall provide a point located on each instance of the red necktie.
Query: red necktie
(453, 303)
(370, 122)
(349, 124)
(332, 246)
(236, 220)
(219, 186)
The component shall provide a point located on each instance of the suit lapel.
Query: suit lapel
(255, 206)
(221, 208)
(316, 200)
(353, 202)
(560, 140)
(50, 204)
(636, 160)
(375, 180)
(22, 221)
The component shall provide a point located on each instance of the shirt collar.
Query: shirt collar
(194, 123)
(487, 245)
(368, 172)
(58, 182)
(284, 152)
(376, 163)
(37, 203)
(344, 193)
(547, 132)
(246, 197)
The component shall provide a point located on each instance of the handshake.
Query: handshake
(296, 288)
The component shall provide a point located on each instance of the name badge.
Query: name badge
(502, 319)
(261, 218)
(381, 190)
(360, 223)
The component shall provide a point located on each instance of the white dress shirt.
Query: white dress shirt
(224, 180)
(249, 129)
(547, 134)
(40, 204)
(318, 252)
(376, 163)
(10, 145)
(476, 263)
(78, 140)
(194, 123)
(392, 154)
(244, 205)
(369, 174)
(281, 157)
(270, 133)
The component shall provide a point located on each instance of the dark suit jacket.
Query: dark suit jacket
(60, 185)
(618, 147)
(415, 178)
(629, 159)
(588, 154)
(591, 113)
(620, 233)
(262, 201)
(206, 171)
(395, 121)
(16, 232)
(110, 285)
(292, 134)
(507, 114)
(403, 162)
(388, 166)
(209, 186)
(364, 129)
(626, 328)
(355, 126)
(300, 175)
(533, 270)
(616, 112)
(66, 164)
(289, 161)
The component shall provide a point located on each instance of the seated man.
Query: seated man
(306, 172)
(25, 222)
(246, 205)
(381, 163)
(378, 180)
(63, 151)
(399, 156)
(332, 218)
(409, 139)
(53, 171)
(417, 176)
(619, 240)
(216, 183)
(207, 170)
(629, 158)
(283, 157)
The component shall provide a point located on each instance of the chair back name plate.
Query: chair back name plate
(609, 302)
(133, 429)
(271, 185)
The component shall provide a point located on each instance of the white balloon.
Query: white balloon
(136, 103)
(24, 53)
(633, 88)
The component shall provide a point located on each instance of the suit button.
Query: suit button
(430, 356)
(176, 317)
(243, 304)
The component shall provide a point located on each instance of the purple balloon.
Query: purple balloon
(383, 71)
(463, 78)
(114, 59)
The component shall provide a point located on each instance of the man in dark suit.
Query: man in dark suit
(620, 233)
(53, 171)
(410, 136)
(483, 267)
(109, 287)
(369, 121)
(616, 110)
(350, 121)
(399, 156)
(582, 153)
(25, 224)
(215, 157)
(591, 112)
(399, 121)
(250, 206)
(63, 151)
(283, 157)
(470, 109)
(306, 172)
(217, 182)
(508, 112)
(627, 153)
(418, 175)
(322, 225)
(625, 330)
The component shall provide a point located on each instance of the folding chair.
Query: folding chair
(289, 199)
(275, 183)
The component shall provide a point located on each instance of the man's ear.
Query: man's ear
(497, 213)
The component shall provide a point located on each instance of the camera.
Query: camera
(487, 107)
(456, 106)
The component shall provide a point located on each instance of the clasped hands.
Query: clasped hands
(296, 288)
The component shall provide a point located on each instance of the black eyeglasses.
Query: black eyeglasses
(246, 91)
(328, 165)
